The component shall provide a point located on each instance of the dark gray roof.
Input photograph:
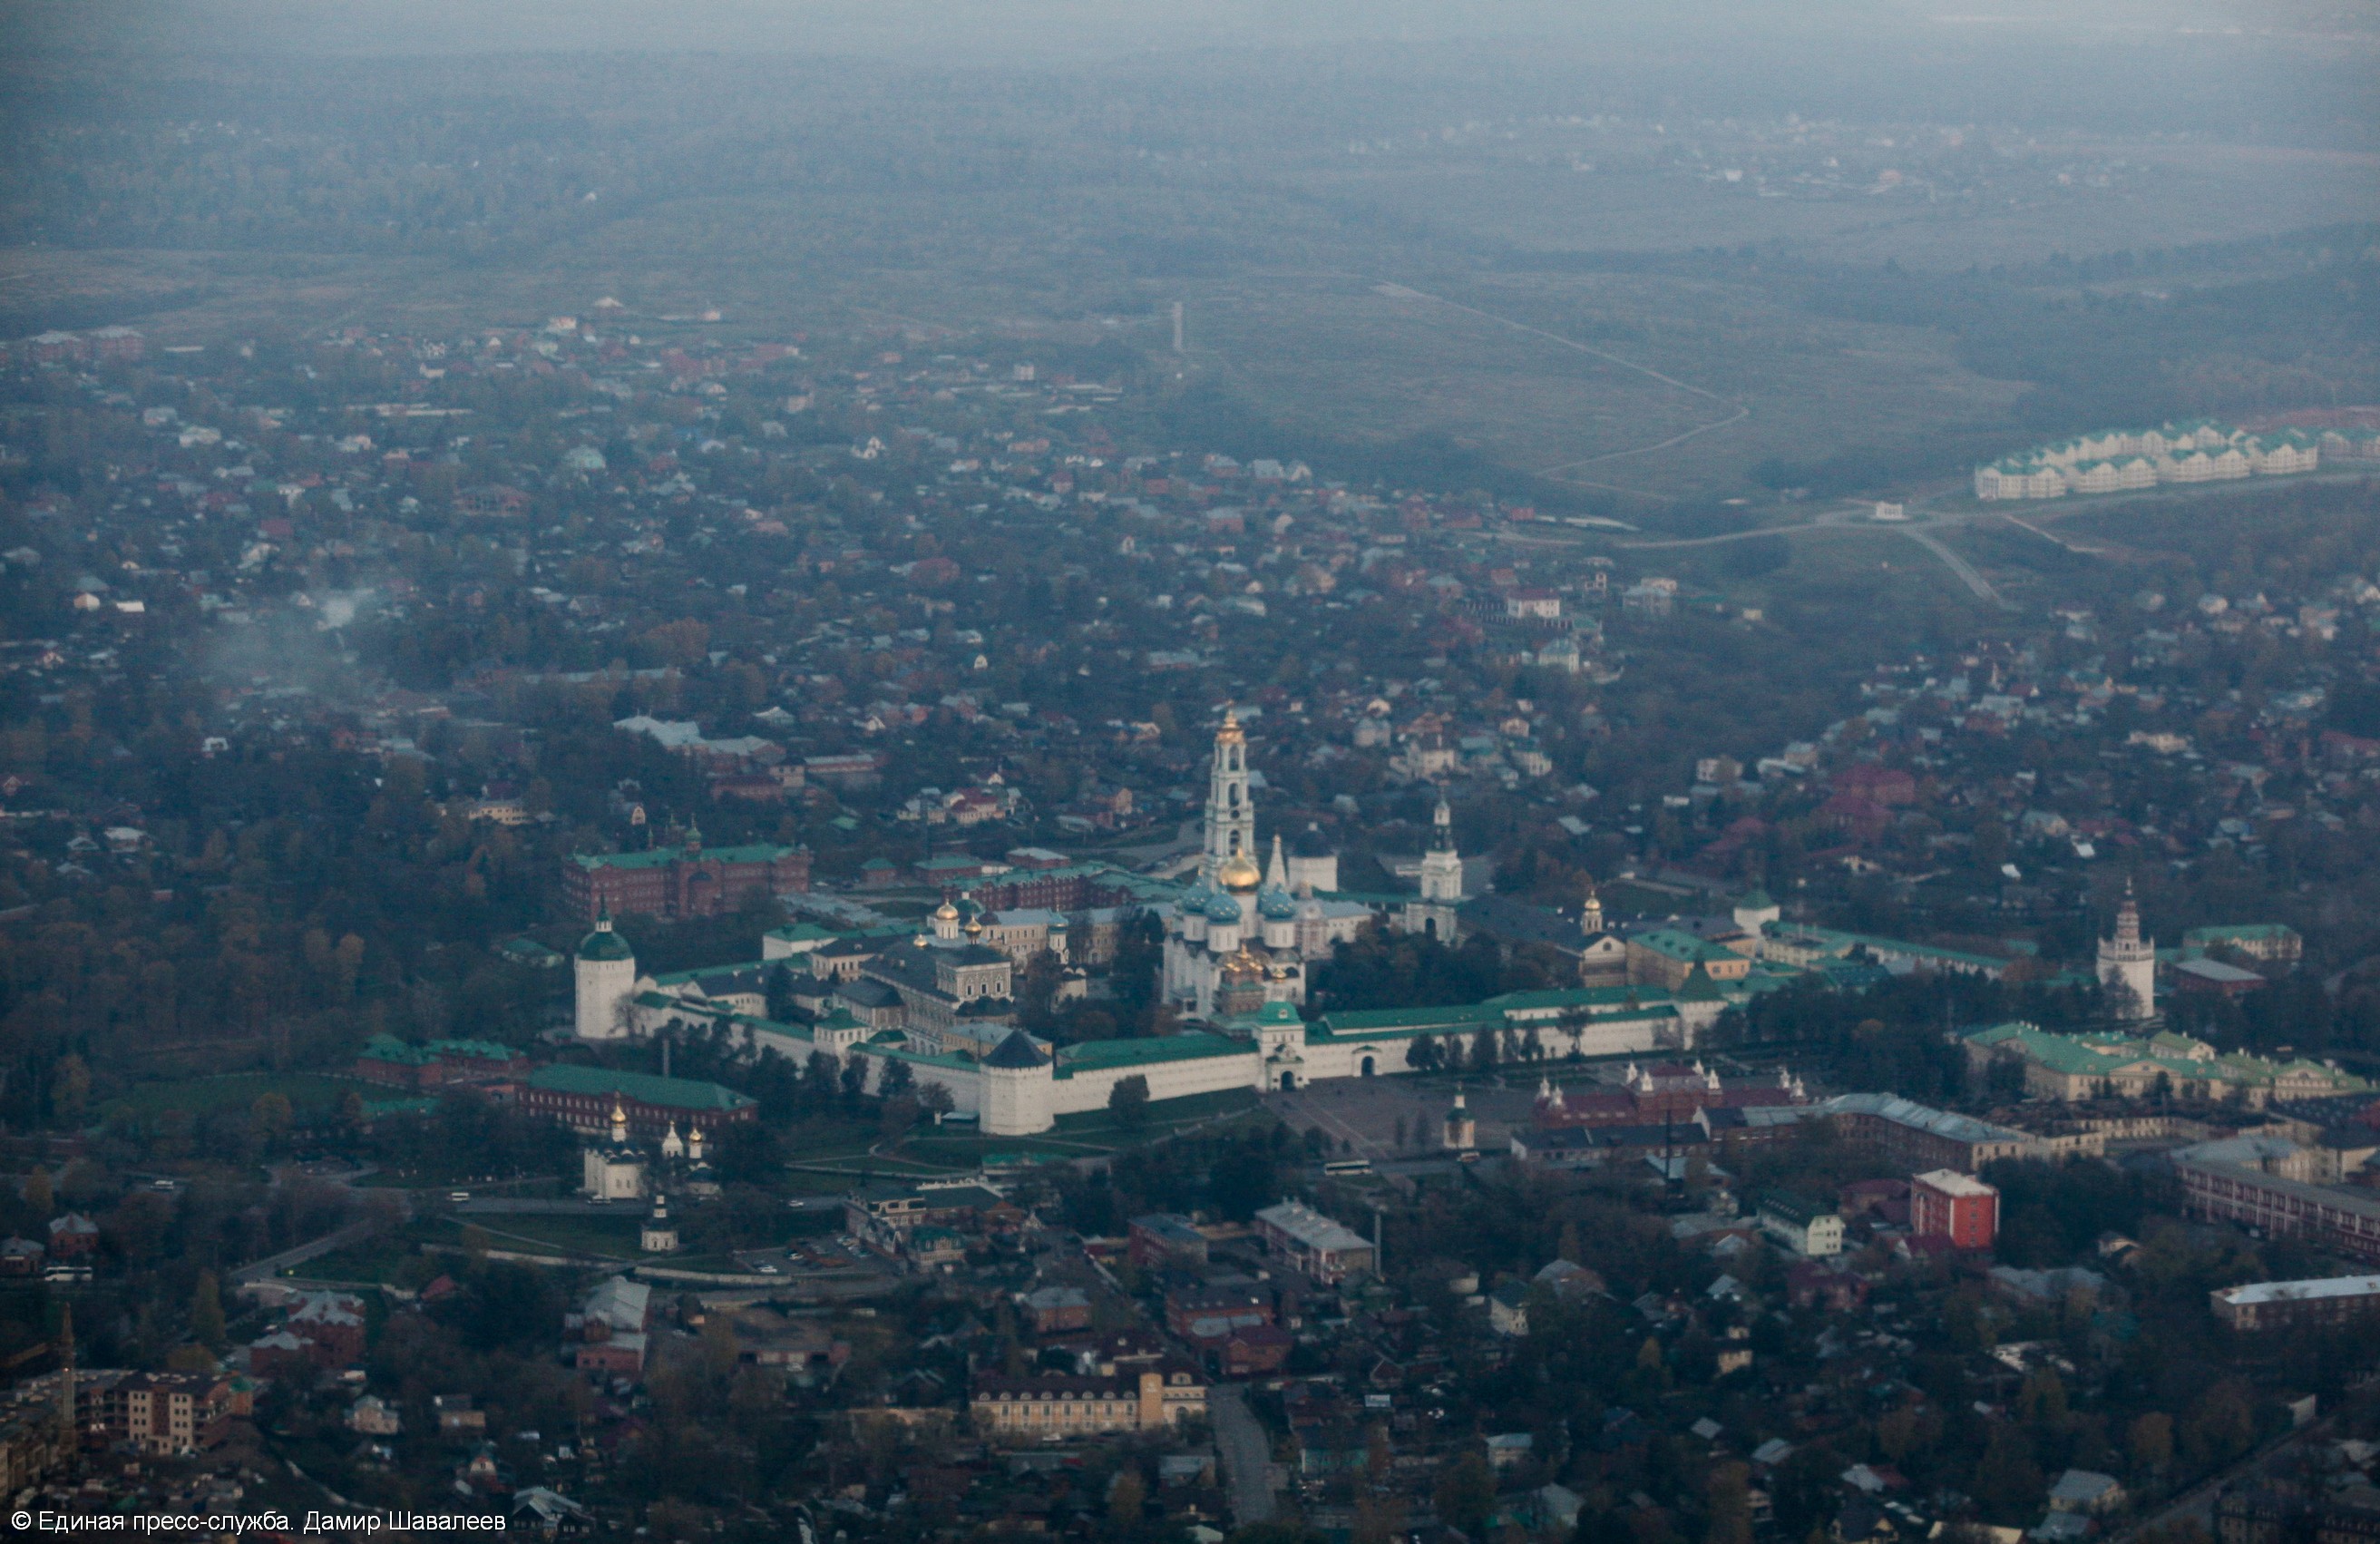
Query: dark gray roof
(1017, 1051)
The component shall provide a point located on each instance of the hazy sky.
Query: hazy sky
(1059, 28)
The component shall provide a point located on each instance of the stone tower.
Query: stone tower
(1016, 1087)
(2127, 960)
(1231, 811)
(606, 982)
(1441, 866)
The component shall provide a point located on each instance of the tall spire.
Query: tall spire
(1231, 807)
(2128, 920)
(1276, 872)
(1442, 868)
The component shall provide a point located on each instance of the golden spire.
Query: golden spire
(1230, 734)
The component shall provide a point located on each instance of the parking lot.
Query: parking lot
(1365, 1114)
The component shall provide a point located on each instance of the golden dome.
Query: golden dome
(1243, 965)
(946, 912)
(1239, 874)
(1230, 734)
(974, 926)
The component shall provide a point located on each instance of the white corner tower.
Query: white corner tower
(1016, 1087)
(606, 971)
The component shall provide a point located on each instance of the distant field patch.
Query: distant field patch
(205, 1096)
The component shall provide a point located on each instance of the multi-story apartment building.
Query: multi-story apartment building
(2327, 1300)
(2247, 1179)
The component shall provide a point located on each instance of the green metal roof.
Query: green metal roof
(1149, 1051)
(1373, 1021)
(1674, 945)
(674, 1093)
(605, 944)
(2237, 930)
(1589, 997)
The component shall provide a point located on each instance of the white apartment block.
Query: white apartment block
(2117, 460)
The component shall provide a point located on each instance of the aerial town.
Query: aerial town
(785, 1020)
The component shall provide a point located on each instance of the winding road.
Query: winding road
(1738, 413)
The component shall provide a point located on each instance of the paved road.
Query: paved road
(1246, 1456)
(273, 1265)
(1290, 1107)
(1958, 566)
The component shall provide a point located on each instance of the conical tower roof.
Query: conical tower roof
(1018, 1053)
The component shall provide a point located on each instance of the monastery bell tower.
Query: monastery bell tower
(2128, 961)
(1231, 813)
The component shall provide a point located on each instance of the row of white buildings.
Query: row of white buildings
(2119, 459)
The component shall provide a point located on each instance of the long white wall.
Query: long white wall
(1088, 1089)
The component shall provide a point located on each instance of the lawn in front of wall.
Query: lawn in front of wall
(239, 1090)
(614, 1237)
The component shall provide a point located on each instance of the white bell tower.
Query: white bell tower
(1231, 810)
(2127, 963)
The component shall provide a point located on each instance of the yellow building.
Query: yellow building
(1046, 1406)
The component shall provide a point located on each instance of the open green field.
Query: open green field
(200, 1096)
(615, 1237)
(388, 1258)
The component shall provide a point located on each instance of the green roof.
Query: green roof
(485, 1051)
(2202, 936)
(1405, 1021)
(1147, 1051)
(1698, 987)
(388, 1048)
(605, 944)
(1560, 997)
(674, 1093)
(2102, 1055)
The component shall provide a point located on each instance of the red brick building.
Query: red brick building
(678, 883)
(332, 1325)
(1209, 1313)
(582, 1098)
(1960, 1208)
(1253, 1351)
(386, 1059)
(73, 1235)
